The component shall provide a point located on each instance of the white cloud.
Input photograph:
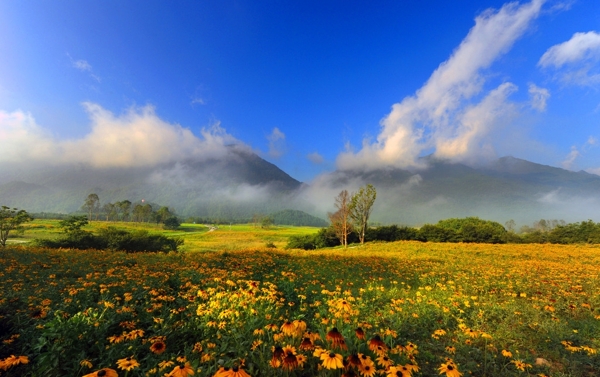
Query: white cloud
(440, 114)
(538, 97)
(575, 60)
(198, 101)
(315, 158)
(276, 143)
(82, 65)
(581, 46)
(569, 161)
(136, 138)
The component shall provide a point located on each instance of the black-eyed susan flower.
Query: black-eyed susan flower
(290, 361)
(384, 361)
(277, 352)
(367, 370)
(238, 372)
(332, 360)
(336, 339)
(288, 328)
(399, 371)
(354, 360)
(307, 344)
(158, 347)
(165, 364)
(376, 342)
(104, 372)
(450, 369)
(86, 363)
(360, 333)
(520, 365)
(127, 363)
(182, 370)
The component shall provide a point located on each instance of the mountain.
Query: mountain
(236, 185)
(240, 184)
(508, 188)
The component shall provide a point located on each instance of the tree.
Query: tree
(125, 207)
(171, 223)
(361, 206)
(110, 210)
(91, 204)
(266, 222)
(162, 214)
(11, 219)
(340, 220)
(73, 224)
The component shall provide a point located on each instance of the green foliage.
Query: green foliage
(266, 222)
(583, 232)
(73, 224)
(171, 223)
(473, 229)
(115, 239)
(361, 206)
(11, 219)
(391, 233)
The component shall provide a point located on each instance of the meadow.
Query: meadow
(229, 306)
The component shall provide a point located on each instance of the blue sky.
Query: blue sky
(311, 86)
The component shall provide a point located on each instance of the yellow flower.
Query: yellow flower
(520, 365)
(127, 363)
(86, 363)
(332, 360)
(450, 369)
(165, 364)
(506, 353)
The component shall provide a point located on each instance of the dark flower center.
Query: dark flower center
(450, 367)
(332, 355)
(102, 373)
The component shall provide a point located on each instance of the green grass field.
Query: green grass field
(197, 237)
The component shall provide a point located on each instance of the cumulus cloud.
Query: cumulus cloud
(137, 137)
(315, 158)
(575, 60)
(441, 115)
(538, 97)
(276, 143)
(581, 46)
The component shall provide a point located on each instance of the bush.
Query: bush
(171, 223)
(115, 239)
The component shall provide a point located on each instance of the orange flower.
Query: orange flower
(104, 372)
(158, 347)
(182, 371)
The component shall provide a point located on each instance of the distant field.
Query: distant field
(197, 237)
(424, 308)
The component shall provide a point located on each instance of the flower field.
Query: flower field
(397, 309)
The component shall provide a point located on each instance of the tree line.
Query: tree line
(127, 211)
(111, 238)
